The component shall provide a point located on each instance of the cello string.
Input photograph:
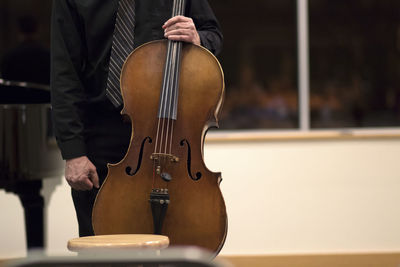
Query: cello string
(176, 87)
(171, 87)
(163, 96)
(170, 92)
(168, 84)
(161, 114)
(177, 50)
(167, 107)
(167, 78)
(167, 99)
(181, 7)
(160, 109)
(171, 61)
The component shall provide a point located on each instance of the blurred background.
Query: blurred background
(308, 192)
(354, 56)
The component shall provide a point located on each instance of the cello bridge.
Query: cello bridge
(161, 157)
(161, 162)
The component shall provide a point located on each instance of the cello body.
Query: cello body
(196, 213)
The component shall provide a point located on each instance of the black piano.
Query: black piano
(28, 151)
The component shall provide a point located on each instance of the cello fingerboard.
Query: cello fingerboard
(168, 107)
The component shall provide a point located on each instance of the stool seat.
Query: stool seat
(117, 242)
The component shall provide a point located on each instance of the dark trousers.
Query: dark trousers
(107, 140)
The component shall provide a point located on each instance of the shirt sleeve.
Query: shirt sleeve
(207, 25)
(67, 91)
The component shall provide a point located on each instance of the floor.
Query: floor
(329, 260)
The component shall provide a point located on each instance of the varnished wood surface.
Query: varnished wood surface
(114, 242)
(196, 214)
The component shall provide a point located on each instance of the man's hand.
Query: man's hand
(81, 174)
(180, 28)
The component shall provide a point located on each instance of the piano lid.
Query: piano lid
(19, 92)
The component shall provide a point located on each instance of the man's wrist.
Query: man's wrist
(71, 149)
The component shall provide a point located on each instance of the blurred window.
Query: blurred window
(354, 63)
(354, 51)
(259, 60)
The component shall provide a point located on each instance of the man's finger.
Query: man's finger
(174, 20)
(85, 184)
(182, 38)
(95, 178)
(178, 32)
(79, 173)
(88, 184)
(181, 25)
(82, 185)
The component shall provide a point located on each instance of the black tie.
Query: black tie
(122, 46)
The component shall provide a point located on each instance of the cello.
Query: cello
(172, 93)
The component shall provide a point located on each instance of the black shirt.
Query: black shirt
(81, 38)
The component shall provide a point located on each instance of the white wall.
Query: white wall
(310, 196)
(303, 196)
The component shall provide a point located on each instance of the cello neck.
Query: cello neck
(178, 8)
(168, 106)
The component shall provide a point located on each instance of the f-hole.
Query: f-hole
(129, 168)
(189, 162)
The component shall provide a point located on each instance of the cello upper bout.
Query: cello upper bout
(141, 77)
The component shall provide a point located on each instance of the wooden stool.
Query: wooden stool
(111, 243)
